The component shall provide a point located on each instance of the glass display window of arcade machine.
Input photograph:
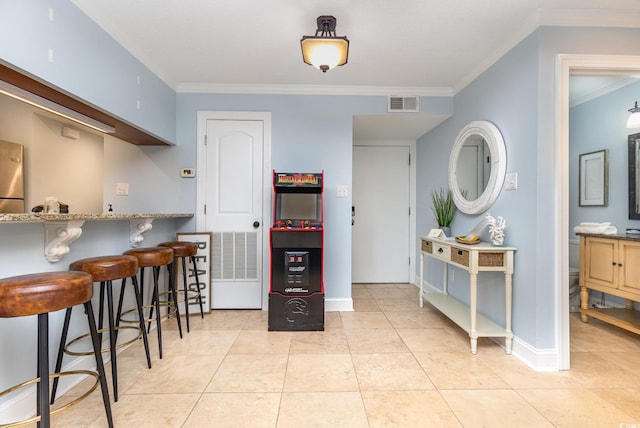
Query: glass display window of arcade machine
(296, 294)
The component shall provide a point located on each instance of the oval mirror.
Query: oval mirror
(477, 167)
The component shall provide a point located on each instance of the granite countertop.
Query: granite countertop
(38, 217)
(630, 237)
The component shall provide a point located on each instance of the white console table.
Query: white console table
(482, 257)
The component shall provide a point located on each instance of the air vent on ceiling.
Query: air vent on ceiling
(400, 104)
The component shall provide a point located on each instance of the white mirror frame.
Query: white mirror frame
(495, 142)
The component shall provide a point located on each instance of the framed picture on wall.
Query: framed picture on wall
(594, 179)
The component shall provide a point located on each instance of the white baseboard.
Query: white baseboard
(540, 360)
(338, 304)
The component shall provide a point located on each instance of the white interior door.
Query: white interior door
(380, 232)
(233, 194)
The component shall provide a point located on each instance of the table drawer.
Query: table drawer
(427, 246)
(460, 256)
(442, 252)
(491, 259)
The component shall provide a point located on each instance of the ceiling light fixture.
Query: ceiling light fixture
(57, 109)
(634, 117)
(325, 50)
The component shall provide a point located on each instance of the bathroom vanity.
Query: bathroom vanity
(481, 257)
(611, 264)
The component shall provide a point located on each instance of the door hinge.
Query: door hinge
(205, 139)
(205, 209)
(409, 261)
(409, 159)
(409, 211)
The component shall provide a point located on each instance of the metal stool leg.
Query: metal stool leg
(63, 340)
(42, 387)
(186, 291)
(174, 293)
(112, 340)
(195, 272)
(99, 364)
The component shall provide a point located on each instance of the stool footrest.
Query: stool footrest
(103, 350)
(60, 409)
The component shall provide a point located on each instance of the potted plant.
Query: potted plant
(444, 209)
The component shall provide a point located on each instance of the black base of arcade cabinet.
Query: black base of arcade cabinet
(296, 313)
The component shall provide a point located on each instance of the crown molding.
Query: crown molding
(205, 88)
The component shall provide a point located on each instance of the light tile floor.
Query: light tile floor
(387, 364)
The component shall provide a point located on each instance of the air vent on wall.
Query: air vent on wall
(401, 104)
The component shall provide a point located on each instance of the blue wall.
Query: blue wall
(309, 133)
(518, 95)
(597, 125)
(86, 62)
(504, 95)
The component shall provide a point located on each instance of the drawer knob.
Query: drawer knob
(440, 250)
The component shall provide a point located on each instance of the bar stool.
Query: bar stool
(39, 294)
(155, 258)
(183, 250)
(105, 270)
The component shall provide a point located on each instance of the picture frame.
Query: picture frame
(594, 179)
(203, 261)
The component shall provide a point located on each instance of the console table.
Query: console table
(481, 257)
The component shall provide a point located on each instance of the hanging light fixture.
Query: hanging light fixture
(325, 50)
(634, 117)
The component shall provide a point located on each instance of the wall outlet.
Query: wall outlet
(342, 191)
(122, 189)
(511, 181)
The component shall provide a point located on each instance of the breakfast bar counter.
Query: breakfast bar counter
(63, 229)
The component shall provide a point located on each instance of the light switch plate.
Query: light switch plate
(511, 181)
(188, 172)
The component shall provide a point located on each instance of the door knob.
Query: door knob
(256, 224)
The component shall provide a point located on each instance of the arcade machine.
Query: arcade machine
(296, 295)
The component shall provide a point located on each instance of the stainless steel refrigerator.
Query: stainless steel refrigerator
(11, 177)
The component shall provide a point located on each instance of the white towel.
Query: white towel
(596, 228)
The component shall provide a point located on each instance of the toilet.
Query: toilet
(574, 289)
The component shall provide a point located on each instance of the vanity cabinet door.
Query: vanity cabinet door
(629, 253)
(601, 262)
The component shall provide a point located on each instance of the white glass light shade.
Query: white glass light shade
(325, 53)
(634, 120)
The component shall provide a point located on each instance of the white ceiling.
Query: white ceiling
(401, 47)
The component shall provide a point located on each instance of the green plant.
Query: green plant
(443, 207)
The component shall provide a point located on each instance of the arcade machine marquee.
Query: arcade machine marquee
(296, 294)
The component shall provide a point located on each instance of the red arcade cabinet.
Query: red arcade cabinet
(296, 295)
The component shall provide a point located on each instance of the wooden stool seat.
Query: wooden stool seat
(39, 294)
(183, 250)
(107, 268)
(155, 258)
(151, 256)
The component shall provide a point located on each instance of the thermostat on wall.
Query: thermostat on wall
(188, 172)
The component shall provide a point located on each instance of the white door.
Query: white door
(380, 232)
(233, 195)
